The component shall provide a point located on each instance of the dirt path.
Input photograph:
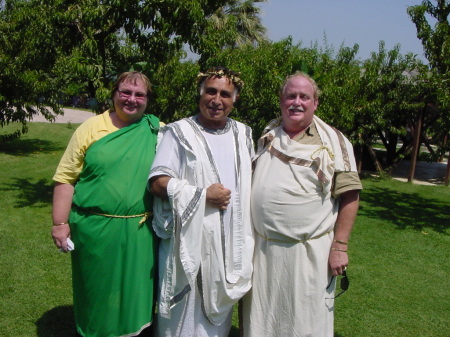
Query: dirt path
(425, 173)
(70, 116)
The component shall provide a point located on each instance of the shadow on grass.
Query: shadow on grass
(57, 322)
(405, 210)
(30, 194)
(25, 147)
(234, 332)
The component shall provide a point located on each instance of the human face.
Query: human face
(298, 104)
(130, 101)
(216, 102)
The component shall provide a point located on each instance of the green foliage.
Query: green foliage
(436, 44)
(52, 49)
(31, 42)
(175, 90)
(263, 70)
(369, 101)
(240, 18)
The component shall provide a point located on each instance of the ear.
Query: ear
(236, 98)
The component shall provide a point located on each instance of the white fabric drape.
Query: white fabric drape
(293, 214)
(202, 249)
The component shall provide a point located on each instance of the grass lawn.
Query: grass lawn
(399, 252)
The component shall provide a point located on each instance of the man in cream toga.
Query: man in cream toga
(202, 176)
(305, 196)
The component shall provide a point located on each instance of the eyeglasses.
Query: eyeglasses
(344, 284)
(128, 94)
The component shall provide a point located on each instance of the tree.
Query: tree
(50, 47)
(243, 16)
(175, 90)
(263, 70)
(25, 79)
(390, 97)
(436, 44)
(369, 101)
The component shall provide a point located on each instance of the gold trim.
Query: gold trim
(345, 155)
(341, 242)
(300, 162)
(60, 224)
(144, 216)
(339, 250)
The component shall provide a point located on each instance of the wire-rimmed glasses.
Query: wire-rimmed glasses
(127, 94)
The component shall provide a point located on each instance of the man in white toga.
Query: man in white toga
(304, 201)
(201, 177)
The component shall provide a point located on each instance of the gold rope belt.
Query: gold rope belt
(144, 216)
(295, 241)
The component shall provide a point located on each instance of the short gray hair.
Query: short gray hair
(316, 89)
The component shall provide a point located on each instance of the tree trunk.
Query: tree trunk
(416, 147)
(377, 164)
(447, 173)
(359, 156)
(444, 142)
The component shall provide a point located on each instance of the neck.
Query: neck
(118, 122)
(212, 125)
(293, 133)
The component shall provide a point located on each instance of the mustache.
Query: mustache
(299, 108)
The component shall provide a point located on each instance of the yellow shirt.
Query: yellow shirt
(85, 135)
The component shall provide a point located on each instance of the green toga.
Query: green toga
(113, 263)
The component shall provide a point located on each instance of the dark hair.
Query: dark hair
(219, 71)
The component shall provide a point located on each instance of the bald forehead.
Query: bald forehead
(304, 80)
(298, 83)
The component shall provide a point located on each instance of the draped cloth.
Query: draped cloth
(293, 215)
(197, 257)
(113, 262)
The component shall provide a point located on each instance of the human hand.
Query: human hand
(60, 234)
(338, 261)
(218, 196)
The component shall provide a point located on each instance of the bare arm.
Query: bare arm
(158, 186)
(62, 202)
(338, 259)
(217, 195)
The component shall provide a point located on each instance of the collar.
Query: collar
(220, 131)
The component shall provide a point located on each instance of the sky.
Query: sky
(364, 22)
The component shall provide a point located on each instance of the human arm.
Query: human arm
(348, 207)
(158, 186)
(62, 202)
(217, 196)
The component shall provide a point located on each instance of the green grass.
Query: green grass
(399, 252)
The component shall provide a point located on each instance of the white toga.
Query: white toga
(293, 214)
(205, 254)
